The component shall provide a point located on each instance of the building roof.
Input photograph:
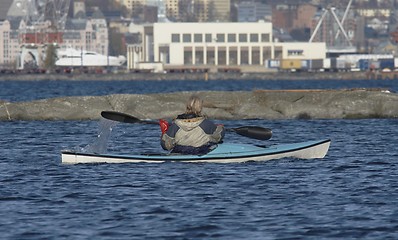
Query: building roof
(76, 24)
(71, 36)
(80, 15)
(97, 14)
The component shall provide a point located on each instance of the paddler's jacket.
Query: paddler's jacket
(190, 130)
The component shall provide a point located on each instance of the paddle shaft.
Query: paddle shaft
(255, 132)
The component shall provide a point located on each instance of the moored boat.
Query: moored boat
(223, 153)
(81, 58)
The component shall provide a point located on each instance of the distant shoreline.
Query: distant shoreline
(190, 76)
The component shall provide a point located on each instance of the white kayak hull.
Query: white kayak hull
(224, 153)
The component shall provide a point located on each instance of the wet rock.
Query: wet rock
(259, 104)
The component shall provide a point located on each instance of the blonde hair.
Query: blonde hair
(194, 105)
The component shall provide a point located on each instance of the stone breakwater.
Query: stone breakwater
(259, 104)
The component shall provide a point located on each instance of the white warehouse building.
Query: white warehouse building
(218, 45)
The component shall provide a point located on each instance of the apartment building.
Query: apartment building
(222, 10)
(253, 12)
(4, 42)
(201, 10)
(9, 44)
(127, 3)
(90, 34)
(172, 9)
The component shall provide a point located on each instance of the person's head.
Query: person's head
(194, 105)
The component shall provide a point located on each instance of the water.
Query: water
(10, 90)
(350, 194)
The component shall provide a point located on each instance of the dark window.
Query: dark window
(175, 38)
(231, 37)
(187, 38)
(242, 37)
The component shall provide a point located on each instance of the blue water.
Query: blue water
(350, 194)
(32, 90)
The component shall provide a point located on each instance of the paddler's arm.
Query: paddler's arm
(167, 140)
(216, 132)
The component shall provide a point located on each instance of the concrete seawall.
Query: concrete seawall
(259, 104)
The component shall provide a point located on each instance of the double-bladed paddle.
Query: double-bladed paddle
(255, 132)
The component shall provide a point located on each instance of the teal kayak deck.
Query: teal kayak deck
(225, 152)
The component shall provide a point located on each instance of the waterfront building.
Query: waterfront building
(22, 44)
(222, 45)
(87, 34)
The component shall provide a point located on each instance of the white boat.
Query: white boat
(223, 153)
(81, 58)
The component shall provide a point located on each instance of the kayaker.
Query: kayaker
(191, 132)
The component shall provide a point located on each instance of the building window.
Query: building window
(231, 37)
(264, 37)
(198, 38)
(199, 56)
(244, 56)
(233, 56)
(208, 37)
(267, 53)
(188, 56)
(242, 37)
(253, 37)
(255, 56)
(295, 52)
(220, 37)
(186, 38)
(175, 38)
(222, 56)
(278, 52)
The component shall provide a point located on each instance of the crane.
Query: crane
(38, 11)
(331, 11)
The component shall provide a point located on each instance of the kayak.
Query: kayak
(223, 153)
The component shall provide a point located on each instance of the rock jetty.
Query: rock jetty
(258, 104)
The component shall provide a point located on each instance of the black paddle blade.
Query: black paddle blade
(119, 117)
(255, 132)
(124, 117)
